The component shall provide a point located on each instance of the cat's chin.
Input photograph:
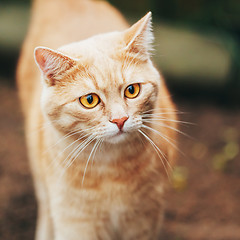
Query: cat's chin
(117, 138)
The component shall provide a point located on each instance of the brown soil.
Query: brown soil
(205, 204)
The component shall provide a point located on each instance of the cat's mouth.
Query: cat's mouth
(120, 132)
(118, 137)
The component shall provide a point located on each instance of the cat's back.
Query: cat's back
(58, 22)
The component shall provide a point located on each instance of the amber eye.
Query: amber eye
(90, 100)
(132, 90)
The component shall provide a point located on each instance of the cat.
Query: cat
(99, 120)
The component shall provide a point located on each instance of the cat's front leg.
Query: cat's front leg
(142, 229)
(44, 228)
(44, 224)
(83, 231)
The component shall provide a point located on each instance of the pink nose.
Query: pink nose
(120, 122)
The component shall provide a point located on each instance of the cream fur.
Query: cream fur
(92, 180)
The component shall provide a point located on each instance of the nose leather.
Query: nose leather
(120, 122)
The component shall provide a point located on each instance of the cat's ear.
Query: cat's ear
(52, 64)
(139, 37)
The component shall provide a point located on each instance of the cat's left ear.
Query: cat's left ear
(139, 37)
(52, 64)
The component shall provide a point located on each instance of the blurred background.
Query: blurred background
(197, 47)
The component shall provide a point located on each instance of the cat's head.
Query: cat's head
(101, 86)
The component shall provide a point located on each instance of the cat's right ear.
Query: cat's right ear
(139, 37)
(52, 64)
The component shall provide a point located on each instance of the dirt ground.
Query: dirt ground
(203, 204)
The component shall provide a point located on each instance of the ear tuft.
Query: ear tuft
(52, 64)
(139, 37)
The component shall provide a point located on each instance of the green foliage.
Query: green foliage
(217, 13)
(229, 151)
(179, 178)
(15, 1)
(136, 7)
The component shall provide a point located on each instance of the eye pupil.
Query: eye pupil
(131, 89)
(90, 99)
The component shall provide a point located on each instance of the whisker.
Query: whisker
(159, 114)
(167, 120)
(157, 151)
(70, 134)
(161, 152)
(164, 109)
(164, 137)
(101, 141)
(159, 133)
(68, 146)
(91, 153)
(77, 151)
(166, 126)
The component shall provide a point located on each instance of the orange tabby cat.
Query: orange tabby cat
(99, 123)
